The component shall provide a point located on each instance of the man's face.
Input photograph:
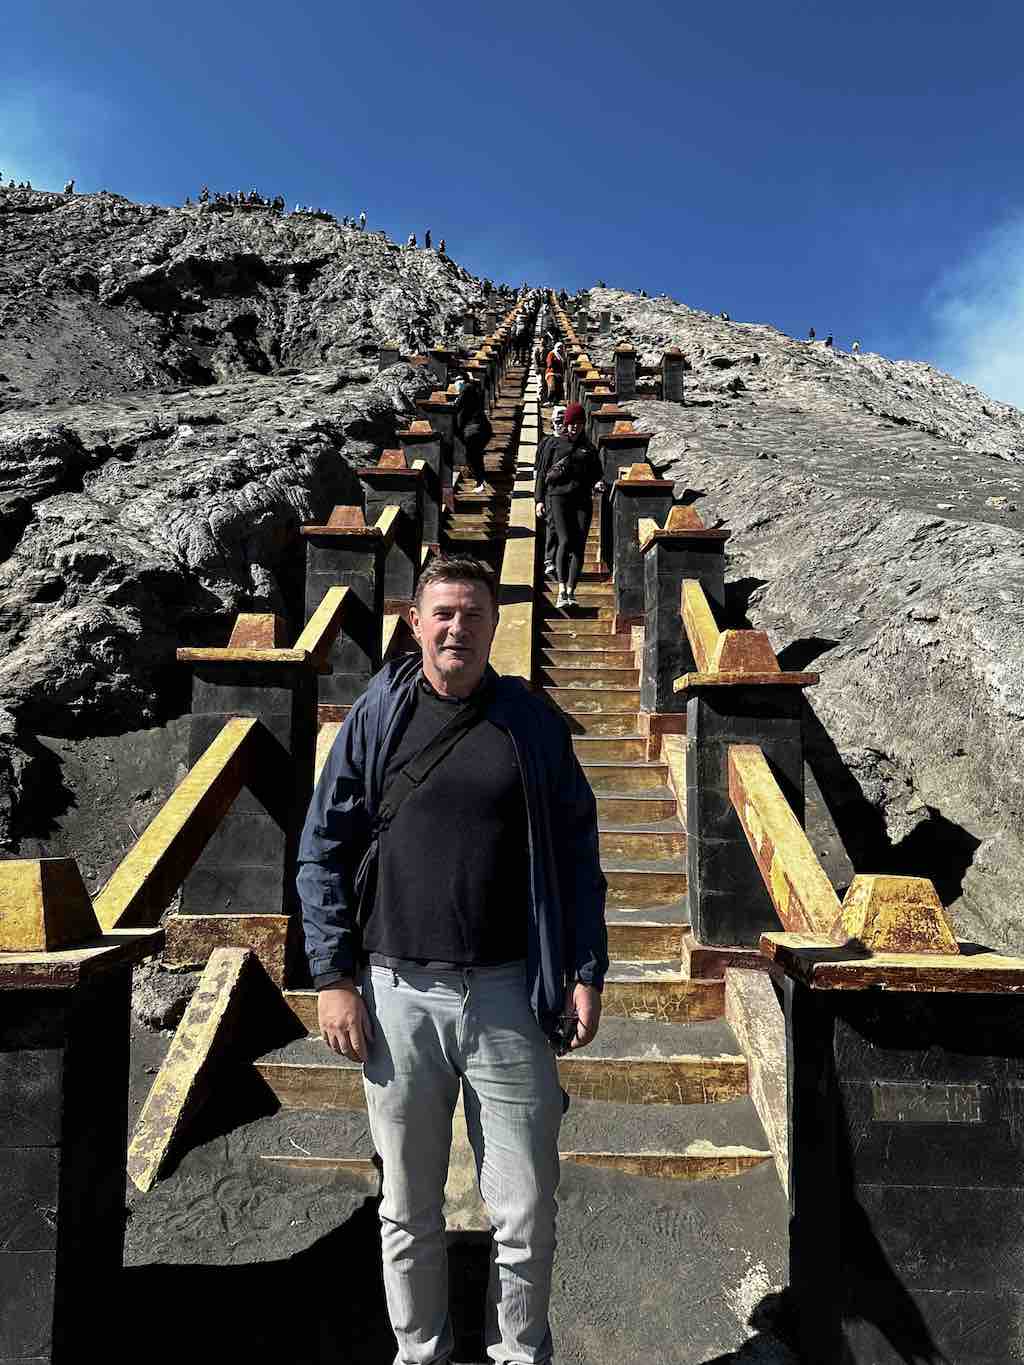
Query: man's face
(455, 624)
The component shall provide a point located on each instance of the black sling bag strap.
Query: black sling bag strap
(413, 774)
(421, 765)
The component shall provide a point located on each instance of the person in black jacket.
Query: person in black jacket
(573, 473)
(540, 493)
(473, 427)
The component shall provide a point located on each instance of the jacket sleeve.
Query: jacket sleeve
(334, 839)
(584, 887)
(542, 469)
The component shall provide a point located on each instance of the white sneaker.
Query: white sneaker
(562, 601)
(570, 600)
(480, 488)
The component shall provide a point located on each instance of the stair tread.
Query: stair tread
(670, 826)
(659, 914)
(670, 970)
(602, 1125)
(621, 1037)
(650, 794)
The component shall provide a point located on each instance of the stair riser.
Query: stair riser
(604, 750)
(560, 631)
(671, 1165)
(620, 810)
(637, 890)
(646, 1080)
(599, 726)
(597, 678)
(592, 699)
(671, 1001)
(624, 778)
(623, 844)
(644, 942)
(616, 659)
(314, 1087)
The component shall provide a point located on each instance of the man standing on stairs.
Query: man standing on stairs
(452, 799)
(573, 475)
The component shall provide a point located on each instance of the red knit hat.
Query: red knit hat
(573, 413)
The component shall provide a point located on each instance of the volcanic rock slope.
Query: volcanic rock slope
(179, 390)
(877, 511)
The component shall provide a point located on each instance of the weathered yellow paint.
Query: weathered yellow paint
(242, 656)
(828, 966)
(699, 623)
(646, 529)
(182, 1083)
(44, 906)
(321, 630)
(897, 915)
(387, 523)
(802, 894)
(155, 867)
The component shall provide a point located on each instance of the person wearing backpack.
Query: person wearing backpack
(473, 427)
(453, 908)
(572, 476)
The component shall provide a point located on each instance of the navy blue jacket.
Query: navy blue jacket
(567, 938)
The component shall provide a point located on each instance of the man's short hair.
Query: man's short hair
(456, 569)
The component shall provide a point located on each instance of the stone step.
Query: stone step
(306, 1074)
(634, 883)
(579, 656)
(590, 676)
(641, 809)
(585, 592)
(583, 700)
(583, 611)
(667, 842)
(627, 751)
(607, 775)
(660, 992)
(596, 724)
(557, 628)
(633, 937)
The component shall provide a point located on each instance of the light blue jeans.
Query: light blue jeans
(433, 1031)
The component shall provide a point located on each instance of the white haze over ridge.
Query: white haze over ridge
(978, 313)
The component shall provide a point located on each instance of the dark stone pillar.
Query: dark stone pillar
(441, 364)
(391, 483)
(248, 865)
(625, 372)
(594, 399)
(672, 364)
(469, 324)
(349, 554)
(439, 411)
(684, 549)
(905, 1171)
(607, 416)
(63, 1151)
(729, 905)
(633, 497)
(421, 442)
(388, 354)
(490, 320)
(605, 321)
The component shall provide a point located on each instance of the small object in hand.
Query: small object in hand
(565, 1033)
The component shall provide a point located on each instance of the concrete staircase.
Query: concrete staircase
(663, 1091)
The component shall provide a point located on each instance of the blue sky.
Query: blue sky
(854, 167)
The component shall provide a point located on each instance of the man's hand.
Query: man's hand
(585, 1002)
(344, 1021)
(540, 509)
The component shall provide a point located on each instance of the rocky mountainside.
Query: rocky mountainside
(179, 390)
(878, 516)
